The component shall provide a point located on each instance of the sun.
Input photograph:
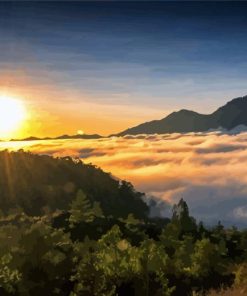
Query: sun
(12, 115)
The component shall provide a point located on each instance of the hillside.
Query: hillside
(37, 183)
(103, 242)
(232, 114)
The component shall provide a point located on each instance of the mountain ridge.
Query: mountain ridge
(62, 137)
(228, 116)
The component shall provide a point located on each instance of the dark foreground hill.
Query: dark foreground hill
(103, 243)
(37, 183)
(232, 114)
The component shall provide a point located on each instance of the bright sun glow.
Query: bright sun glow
(12, 115)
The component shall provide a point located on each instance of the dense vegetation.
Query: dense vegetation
(39, 183)
(85, 248)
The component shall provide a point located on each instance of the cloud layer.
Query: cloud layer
(208, 170)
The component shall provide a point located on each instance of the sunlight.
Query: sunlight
(12, 115)
(80, 132)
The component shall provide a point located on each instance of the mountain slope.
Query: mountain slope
(232, 114)
(36, 183)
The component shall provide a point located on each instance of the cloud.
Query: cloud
(241, 212)
(207, 169)
(221, 148)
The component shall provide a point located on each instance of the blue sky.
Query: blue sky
(157, 56)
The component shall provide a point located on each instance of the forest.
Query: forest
(68, 228)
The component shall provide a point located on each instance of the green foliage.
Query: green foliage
(182, 218)
(208, 258)
(82, 210)
(122, 258)
(70, 229)
(241, 275)
(104, 267)
(154, 260)
(37, 184)
(43, 256)
(9, 277)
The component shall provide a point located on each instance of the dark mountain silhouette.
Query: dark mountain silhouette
(232, 114)
(34, 183)
(63, 137)
(84, 136)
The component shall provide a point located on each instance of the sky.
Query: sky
(101, 67)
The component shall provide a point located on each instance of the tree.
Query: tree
(86, 278)
(43, 257)
(154, 267)
(82, 210)
(9, 276)
(209, 264)
(181, 217)
(41, 182)
(104, 265)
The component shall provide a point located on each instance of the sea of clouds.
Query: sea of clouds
(208, 170)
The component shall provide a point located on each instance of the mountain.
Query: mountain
(35, 183)
(63, 137)
(229, 116)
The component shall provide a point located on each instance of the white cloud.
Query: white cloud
(208, 170)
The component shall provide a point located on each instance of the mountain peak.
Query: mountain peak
(232, 114)
(237, 101)
(185, 112)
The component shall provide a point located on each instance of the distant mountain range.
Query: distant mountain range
(63, 137)
(229, 116)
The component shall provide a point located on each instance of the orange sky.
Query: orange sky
(52, 111)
